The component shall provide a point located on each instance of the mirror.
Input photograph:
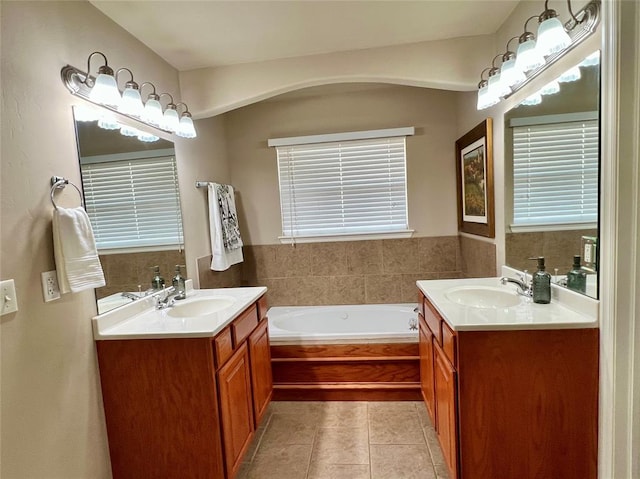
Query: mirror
(110, 163)
(552, 178)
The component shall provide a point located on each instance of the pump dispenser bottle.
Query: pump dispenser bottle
(577, 277)
(178, 283)
(541, 282)
(157, 283)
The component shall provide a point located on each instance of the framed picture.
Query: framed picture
(474, 171)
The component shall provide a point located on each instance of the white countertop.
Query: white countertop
(523, 316)
(140, 320)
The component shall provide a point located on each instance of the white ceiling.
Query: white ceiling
(197, 34)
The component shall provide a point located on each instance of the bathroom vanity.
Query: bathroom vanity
(184, 388)
(511, 386)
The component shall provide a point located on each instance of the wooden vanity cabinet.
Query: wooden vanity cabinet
(512, 403)
(186, 407)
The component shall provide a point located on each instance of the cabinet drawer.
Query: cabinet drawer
(244, 324)
(433, 320)
(263, 306)
(223, 347)
(449, 343)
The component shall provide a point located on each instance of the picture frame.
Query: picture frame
(474, 174)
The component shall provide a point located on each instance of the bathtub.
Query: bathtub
(345, 353)
(348, 324)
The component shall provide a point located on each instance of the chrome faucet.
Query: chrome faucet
(167, 297)
(524, 289)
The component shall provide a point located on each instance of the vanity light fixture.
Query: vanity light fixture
(534, 99)
(103, 90)
(572, 74)
(532, 58)
(550, 88)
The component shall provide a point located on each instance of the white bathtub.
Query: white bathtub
(348, 324)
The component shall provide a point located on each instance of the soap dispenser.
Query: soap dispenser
(577, 277)
(178, 283)
(541, 283)
(157, 283)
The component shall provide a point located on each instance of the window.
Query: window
(345, 187)
(555, 170)
(133, 203)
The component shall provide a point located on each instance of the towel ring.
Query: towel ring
(58, 183)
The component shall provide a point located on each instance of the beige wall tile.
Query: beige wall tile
(328, 259)
(408, 288)
(438, 253)
(364, 257)
(478, 258)
(383, 288)
(347, 290)
(280, 291)
(401, 256)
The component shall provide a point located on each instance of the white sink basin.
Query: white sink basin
(200, 307)
(482, 297)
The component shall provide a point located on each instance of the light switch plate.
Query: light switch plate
(50, 288)
(8, 298)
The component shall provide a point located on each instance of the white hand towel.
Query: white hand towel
(75, 251)
(222, 258)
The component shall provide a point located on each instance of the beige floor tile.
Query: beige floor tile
(392, 407)
(284, 429)
(434, 445)
(284, 462)
(442, 472)
(343, 414)
(395, 428)
(401, 462)
(298, 408)
(341, 445)
(338, 471)
(425, 420)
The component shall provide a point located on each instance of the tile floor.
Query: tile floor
(345, 440)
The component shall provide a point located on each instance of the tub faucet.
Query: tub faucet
(524, 289)
(413, 324)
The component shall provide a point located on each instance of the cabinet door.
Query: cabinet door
(236, 408)
(446, 417)
(426, 369)
(261, 376)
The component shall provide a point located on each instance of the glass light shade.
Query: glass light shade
(152, 112)
(591, 60)
(108, 122)
(147, 137)
(81, 113)
(105, 91)
(510, 75)
(171, 120)
(186, 128)
(485, 100)
(572, 74)
(131, 103)
(550, 88)
(497, 89)
(552, 37)
(129, 131)
(528, 57)
(534, 99)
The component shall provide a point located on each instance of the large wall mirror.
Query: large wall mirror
(552, 177)
(132, 198)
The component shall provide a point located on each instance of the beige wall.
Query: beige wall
(52, 418)
(430, 166)
(447, 64)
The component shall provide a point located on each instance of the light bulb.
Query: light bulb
(552, 36)
(171, 120)
(131, 102)
(527, 57)
(105, 91)
(510, 75)
(186, 128)
(152, 112)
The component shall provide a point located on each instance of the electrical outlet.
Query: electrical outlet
(50, 288)
(8, 298)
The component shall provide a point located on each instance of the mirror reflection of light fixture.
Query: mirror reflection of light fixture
(534, 99)
(550, 88)
(103, 90)
(530, 59)
(572, 74)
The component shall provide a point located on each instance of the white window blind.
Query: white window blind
(343, 187)
(555, 177)
(133, 203)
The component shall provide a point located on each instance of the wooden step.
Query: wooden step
(347, 391)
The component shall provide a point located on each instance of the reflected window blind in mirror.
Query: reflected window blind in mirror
(344, 187)
(133, 203)
(555, 170)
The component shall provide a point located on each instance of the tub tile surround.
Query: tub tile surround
(353, 272)
(478, 258)
(345, 440)
(209, 279)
